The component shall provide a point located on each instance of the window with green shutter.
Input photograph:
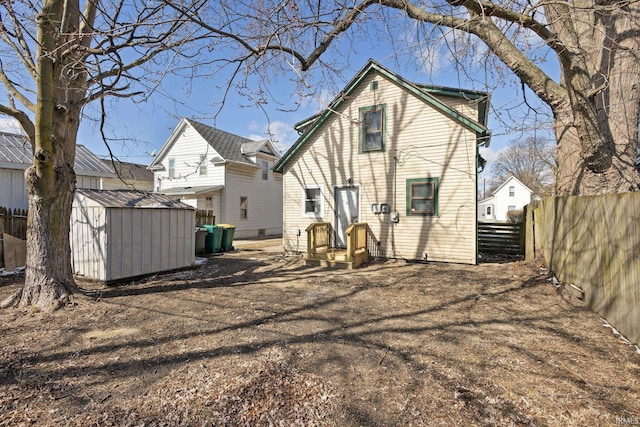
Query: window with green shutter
(422, 196)
(372, 128)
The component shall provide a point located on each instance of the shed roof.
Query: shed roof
(132, 199)
(16, 153)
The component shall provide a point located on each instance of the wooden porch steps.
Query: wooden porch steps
(333, 258)
(320, 253)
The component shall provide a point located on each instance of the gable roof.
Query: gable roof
(423, 92)
(232, 148)
(16, 153)
(131, 171)
(131, 199)
(507, 181)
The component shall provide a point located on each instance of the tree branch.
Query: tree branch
(22, 118)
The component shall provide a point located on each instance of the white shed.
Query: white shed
(122, 234)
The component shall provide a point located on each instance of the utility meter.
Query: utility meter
(394, 217)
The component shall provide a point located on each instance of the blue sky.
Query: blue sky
(140, 129)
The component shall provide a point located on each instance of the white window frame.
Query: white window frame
(304, 201)
(265, 169)
(512, 191)
(203, 165)
(171, 168)
(244, 212)
(511, 208)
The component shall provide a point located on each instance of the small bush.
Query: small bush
(515, 217)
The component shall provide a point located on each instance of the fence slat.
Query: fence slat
(500, 238)
(12, 222)
(593, 242)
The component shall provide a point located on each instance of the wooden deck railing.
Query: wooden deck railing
(319, 246)
(357, 243)
(318, 238)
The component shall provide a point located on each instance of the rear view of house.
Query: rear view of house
(212, 169)
(398, 156)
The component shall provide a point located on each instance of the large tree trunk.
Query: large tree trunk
(61, 86)
(597, 128)
(49, 280)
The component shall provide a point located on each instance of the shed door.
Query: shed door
(346, 212)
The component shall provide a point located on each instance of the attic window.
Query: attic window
(203, 164)
(373, 85)
(372, 128)
(172, 168)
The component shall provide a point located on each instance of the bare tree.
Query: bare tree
(57, 57)
(60, 55)
(531, 160)
(595, 103)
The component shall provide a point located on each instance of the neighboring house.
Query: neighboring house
(212, 169)
(129, 176)
(512, 195)
(16, 157)
(399, 156)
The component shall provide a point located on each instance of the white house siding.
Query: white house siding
(186, 152)
(264, 201)
(13, 189)
(482, 210)
(427, 143)
(502, 200)
(127, 184)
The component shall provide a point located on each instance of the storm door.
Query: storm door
(346, 212)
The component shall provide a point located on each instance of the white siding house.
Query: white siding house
(16, 157)
(117, 235)
(231, 175)
(512, 195)
(398, 156)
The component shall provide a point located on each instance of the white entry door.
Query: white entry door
(346, 212)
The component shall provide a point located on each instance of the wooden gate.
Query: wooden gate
(501, 238)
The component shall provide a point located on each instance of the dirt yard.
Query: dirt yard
(254, 338)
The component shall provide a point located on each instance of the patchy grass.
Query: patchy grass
(254, 338)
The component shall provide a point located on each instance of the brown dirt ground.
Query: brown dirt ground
(255, 338)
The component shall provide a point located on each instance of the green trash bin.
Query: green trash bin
(213, 240)
(227, 236)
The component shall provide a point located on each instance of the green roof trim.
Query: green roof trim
(422, 92)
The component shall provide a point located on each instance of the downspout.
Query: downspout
(223, 198)
(476, 203)
(395, 192)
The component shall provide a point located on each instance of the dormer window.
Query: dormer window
(265, 169)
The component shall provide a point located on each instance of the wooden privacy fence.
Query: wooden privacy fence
(14, 223)
(593, 242)
(500, 238)
(205, 217)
